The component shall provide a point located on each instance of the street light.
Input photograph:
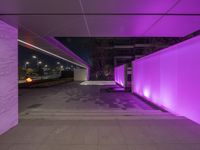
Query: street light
(26, 63)
(34, 56)
(62, 68)
(38, 64)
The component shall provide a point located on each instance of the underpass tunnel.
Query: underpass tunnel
(80, 71)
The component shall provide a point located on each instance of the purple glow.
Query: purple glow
(187, 7)
(169, 26)
(155, 21)
(8, 77)
(171, 78)
(120, 77)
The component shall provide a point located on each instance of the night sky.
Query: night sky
(80, 46)
(26, 54)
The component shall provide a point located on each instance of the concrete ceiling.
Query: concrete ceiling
(104, 18)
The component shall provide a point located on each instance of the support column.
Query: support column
(8, 77)
(80, 74)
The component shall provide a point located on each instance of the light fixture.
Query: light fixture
(28, 80)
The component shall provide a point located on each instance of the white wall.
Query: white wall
(121, 75)
(170, 78)
(80, 74)
(8, 77)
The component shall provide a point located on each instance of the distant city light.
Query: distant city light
(46, 66)
(27, 63)
(58, 63)
(39, 62)
(43, 50)
(34, 56)
(28, 80)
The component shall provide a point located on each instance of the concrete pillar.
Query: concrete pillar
(8, 77)
(80, 74)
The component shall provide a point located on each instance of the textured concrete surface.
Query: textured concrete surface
(92, 126)
(8, 77)
(138, 134)
(76, 97)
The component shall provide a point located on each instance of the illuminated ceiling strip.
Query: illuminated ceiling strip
(38, 48)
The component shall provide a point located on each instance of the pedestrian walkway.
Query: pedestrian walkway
(88, 117)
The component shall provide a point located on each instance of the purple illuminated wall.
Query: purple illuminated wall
(8, 77)
(120, 75)
(171, 78)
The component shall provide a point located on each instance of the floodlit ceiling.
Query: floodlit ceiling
(104, 18)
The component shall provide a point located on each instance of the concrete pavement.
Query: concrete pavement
(75, 117)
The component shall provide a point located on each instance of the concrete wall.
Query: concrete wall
(80, 74)
(8, 77)
(170, 78)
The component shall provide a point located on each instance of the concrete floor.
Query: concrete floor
(76, 97)
(75, 117)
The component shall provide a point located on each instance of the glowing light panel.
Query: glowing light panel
(120, 75)
(171, 78)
